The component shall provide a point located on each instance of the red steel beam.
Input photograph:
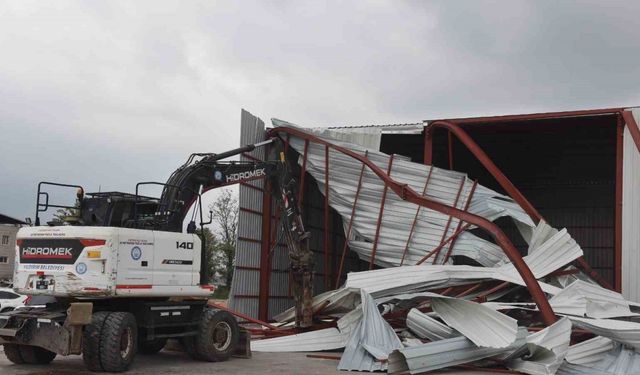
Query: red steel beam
(443, 244)
(632, 125)
(466, 208)
(504, 182)
(446, 228)
(484, 159)
(242, 316)
(617, 247)
(353, 215)
(483, 295)
(469, 290)
(415, 218)
(536, 116)
(379, 223)
(406, 193)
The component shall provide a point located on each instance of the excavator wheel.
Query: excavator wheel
(218, 336)
(110, 341)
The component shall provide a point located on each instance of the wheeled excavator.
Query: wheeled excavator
(126, 277)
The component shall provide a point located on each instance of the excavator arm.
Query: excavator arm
(204, 172)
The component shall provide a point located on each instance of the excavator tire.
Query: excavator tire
(91, 341)
(218, 336)
(118, 341)
(12, 352)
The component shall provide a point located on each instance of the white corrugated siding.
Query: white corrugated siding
(245, 286)
(631, 216)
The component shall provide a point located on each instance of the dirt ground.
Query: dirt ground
(170, 362)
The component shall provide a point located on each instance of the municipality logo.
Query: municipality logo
(136, 253)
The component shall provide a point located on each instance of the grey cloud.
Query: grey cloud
(110, 93)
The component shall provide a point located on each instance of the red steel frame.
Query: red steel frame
(446, 228)
(379, 223)
(504, 182)
(415, 219)
(625, 118)
(406, 193)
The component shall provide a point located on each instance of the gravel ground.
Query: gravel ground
(170, 362)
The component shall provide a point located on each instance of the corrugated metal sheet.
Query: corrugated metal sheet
(631, 216)
(395, 234)
(482, 325)
(371, 342)
(547, 349)
(586, 299)
(245, 285)
(445, 353)
(554, 253)
(323, 339)
(426, 327)
(618, 361)
(590, 351)
(618, 330)
(368, 137)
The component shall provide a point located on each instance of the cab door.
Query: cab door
(135, 259)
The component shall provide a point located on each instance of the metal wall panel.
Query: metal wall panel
(245, 285)
(631, 216)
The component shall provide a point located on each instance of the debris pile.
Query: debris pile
(423, 311)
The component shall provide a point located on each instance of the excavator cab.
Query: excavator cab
(101, 209)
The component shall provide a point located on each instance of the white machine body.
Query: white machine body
(107, 262)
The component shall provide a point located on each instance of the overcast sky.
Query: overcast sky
(106, 94)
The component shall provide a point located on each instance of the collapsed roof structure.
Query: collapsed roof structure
(421, 274)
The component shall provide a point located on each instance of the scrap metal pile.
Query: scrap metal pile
(424, 310)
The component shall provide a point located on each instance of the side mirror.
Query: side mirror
(191, 228)
(210, 219)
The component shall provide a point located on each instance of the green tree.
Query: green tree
(211, 258)
(225, 216)
(67, 216)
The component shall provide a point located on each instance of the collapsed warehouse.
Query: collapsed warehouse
(424, 247)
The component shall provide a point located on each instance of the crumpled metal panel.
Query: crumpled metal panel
(547, 350)
(426, 327)
(618, 330)
(323, 339)
(445, 353)
(371, 342)
(589, 351)
(585, 299)
(552, 254)
(617, 361)
(396, 234)
(397, 280)
(482, 325)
